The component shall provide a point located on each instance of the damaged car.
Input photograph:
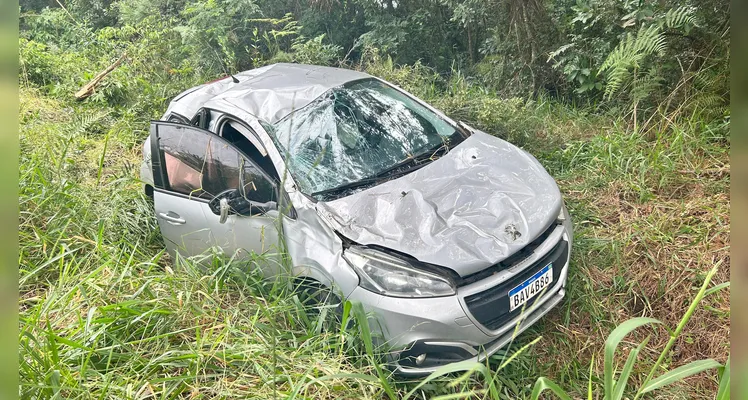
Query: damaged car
(453, 240)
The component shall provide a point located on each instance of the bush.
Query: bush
(313, 51)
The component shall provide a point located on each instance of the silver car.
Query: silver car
(452, 239)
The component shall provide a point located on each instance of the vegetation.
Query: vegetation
(626, 103)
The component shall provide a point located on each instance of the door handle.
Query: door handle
(224, 207)
(172, 218)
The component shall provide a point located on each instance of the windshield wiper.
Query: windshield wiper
(395, 170)
(390, 172)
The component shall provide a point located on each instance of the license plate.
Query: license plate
(530, 288)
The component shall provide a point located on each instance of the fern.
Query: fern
(86, 123)
(552, 55)
(629, 55)
(707, 91)
(646, 85)
(681, 17)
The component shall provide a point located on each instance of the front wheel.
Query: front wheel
(320, 302)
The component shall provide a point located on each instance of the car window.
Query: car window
(202, 165)
(201, 119)
(221, 168)
(173, 117)
(246, 141)
(243, 134)
(256, 186)
(183, 177)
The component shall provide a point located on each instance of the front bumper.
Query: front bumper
(424, 334)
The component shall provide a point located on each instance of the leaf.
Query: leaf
(723, 393)
(716, 288)
(544, 383)
(620, 385)
(558, 51)
(628, 55)
(611, 344)
(679, 374)
(469, 366)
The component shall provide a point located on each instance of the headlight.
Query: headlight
(391, 276)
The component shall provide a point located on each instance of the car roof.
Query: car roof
(268, 93)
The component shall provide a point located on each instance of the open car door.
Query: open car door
(207, 194)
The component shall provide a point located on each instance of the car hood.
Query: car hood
(466, 211)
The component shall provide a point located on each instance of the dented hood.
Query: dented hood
(466, 211)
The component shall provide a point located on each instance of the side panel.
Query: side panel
(182, 223)
(316, 251)
(180, 218)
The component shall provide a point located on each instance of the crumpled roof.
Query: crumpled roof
(269, 93)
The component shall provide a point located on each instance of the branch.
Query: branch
(88, 89)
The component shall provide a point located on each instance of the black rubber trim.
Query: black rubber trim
(512, 260)
(491, 307)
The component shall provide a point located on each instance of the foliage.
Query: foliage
(313, 51)
(615, 389)
(631, 52)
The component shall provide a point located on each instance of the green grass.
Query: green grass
(105, 314)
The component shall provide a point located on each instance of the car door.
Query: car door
(216, 166)
(179, 202)
(243, 236)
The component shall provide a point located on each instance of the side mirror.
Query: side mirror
(233, 202)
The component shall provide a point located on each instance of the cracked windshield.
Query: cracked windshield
(355, 132)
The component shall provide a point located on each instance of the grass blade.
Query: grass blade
(611, 344)
(363, 323)
(674, 335)
(468, 366)
(723, 393)
(589, 382)
(679, 374)
(620, 385)
(716, 288)
(462, 395)
(543, 384)
(518, 352)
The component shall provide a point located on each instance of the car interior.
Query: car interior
(230, 132)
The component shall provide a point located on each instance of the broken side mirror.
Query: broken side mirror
(233, 202)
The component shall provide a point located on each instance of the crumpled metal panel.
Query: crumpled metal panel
(316, 251)
(468, 210)
(268, 93)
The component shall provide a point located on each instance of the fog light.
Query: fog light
(419, 359)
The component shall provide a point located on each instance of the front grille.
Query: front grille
(491, 307)
(512, 260)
